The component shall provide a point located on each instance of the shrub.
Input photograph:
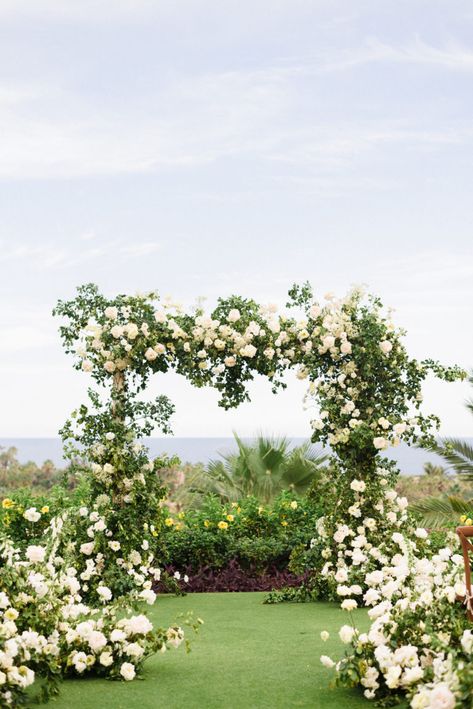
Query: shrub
(254, 539)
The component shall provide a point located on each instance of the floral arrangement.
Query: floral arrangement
(367, 392)
(47, 629)
(420, 642)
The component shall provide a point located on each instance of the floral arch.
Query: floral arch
(78, 591)
(360, 379)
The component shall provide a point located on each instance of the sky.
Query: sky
(210, 148)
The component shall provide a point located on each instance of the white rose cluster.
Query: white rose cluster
(84, 639)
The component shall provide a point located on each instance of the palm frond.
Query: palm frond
(458, 454)
(437, 512)
(264, 468)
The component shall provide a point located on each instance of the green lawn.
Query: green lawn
(247, 655)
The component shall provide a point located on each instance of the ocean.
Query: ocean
(194, 450)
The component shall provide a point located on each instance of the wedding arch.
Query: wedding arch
(72, 601)
(362, 382)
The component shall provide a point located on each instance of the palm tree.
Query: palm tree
(264, 468)
(458, 454)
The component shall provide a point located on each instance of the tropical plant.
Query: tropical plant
(264, 468)
(458, 454)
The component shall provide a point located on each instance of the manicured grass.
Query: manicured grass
(246, 656)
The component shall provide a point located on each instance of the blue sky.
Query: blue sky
(206, 148)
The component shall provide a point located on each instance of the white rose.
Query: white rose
(442, 698)
(421, 533)
(349, 604)
(106, 659)
(35, 553)
(385, 346)
(110, 436)
(148, 595)
(116, 331)
(32, 514)
(327, 661)
(346, 634)
(87, 548)
(380, 443)
(230, 361)
(87, 365)
(399, 428)
(315, 311)
(358, 485)
(127, 671)
(117, 635)
(134, 650)
(233, 315)
(132, 331)
(109, 366)
(345, 347)
(111, 312)
(104, 592)
(114, 546)
(150, 354)
(341, 576)
(467, 641)
(392, 676)
(328, 341)
(160, 316)
(96, 640)
(324, 636)
(421, 700)
(248, 351)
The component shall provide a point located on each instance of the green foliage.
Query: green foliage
(253, 534)
(451, 509)
(263, 469)
(437, 512)
(22, 531)
(459, 456)
(14, 475)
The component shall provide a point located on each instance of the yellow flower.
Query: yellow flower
(468, 522)
(294, 505)
(462, 518)
(260, 510)
(284, 523)
(238, 510)
(179, 526)
(154, 533)
(206, 523)
(181, 515)
(11, 614)
(230, 518)
(222, 525)
(7, 504)
(44, 509)
(234, 504)
(169, 521)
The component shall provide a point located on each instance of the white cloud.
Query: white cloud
(52, 256)
(199, 120)
(140, 249)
